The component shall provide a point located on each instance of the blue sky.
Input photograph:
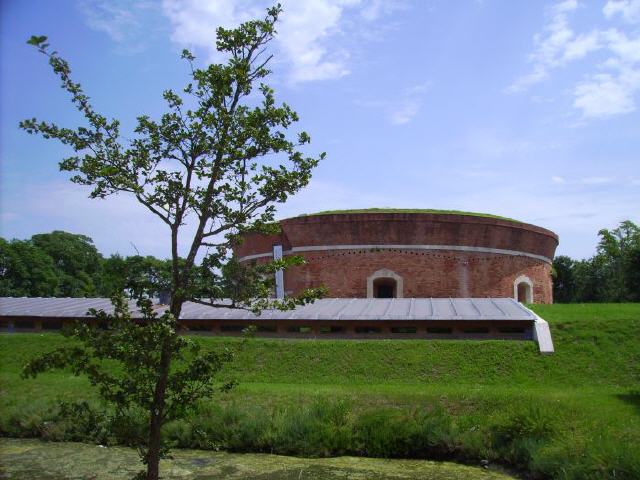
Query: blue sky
(523, 109)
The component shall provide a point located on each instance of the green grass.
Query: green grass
(409, 210)
(575, 414)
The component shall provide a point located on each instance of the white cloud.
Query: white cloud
(564, 6)
(629, 10)
(612, 88)
(598, 180)
(194, 21)
(309, 32)
(375, 9)
(405, 112)
(556, 45)
(408, 106)
(581, 46)
(402, 109)
(626, 49)
(303, 35)
(594, 180)
(538, 74)
(604, 95)
(612, 92)
(312, 34)
(126, 22)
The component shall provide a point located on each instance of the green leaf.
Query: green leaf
(37, 40)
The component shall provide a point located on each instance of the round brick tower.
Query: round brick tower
(411, 255)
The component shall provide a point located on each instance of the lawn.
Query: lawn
(573, 414)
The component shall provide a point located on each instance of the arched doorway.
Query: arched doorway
(384, 284)
(523, 289)
(385, 288)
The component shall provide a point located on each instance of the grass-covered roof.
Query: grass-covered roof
(408, 210)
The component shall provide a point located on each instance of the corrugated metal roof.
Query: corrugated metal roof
(324, 309)
(54, 307)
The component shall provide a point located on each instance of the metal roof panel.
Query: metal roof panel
(363, 309)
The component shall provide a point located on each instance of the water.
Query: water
(31, 459)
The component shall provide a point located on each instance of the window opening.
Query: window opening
(368, 330)
(404, 330)
(267, 328)
(511, 329)
(476, 330)
(298, 329)
(232, 328)
(439, 330)
(331, 329)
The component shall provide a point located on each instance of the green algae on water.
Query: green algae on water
(26, 459)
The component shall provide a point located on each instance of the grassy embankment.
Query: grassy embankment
(408, 210)
(574, 414)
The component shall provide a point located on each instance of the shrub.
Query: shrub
(179, 434)
(229, 427)
(29, 420)
(518, 438)
(320, 429)
(80, 421)
(571, 460)
(128, 427)
(392, 433)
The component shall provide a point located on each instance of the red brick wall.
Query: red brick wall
(410, 228)
(255, 244)
(425, 273)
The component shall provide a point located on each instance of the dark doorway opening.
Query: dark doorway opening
(524, 293)
(385, 288)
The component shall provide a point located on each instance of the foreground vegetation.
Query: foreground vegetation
(574, 414)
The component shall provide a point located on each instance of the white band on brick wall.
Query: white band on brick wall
(457, 248)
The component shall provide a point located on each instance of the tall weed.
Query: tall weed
(392, 433)
(517, 439)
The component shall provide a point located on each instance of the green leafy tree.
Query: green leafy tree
(616, 251)
(26, 270)
(112, 278)
(132, 345)
(631, 268)
(563, 279)
(611, 275)
(590, 279)
(75, 257)
(221, 158)
(136, 274)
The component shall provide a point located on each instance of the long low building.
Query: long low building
(355, 318)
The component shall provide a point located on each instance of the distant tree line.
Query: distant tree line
(62, 264)
(611, 275)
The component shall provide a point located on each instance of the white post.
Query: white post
(277, 255)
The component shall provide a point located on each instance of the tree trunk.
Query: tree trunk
(156, 419)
